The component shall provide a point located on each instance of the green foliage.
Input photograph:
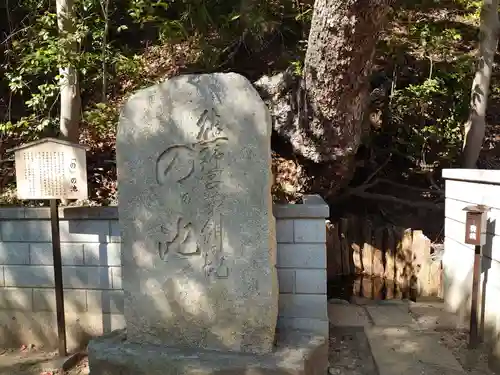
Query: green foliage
(34, 49)
(35, 55)
(102, 119)
(136, 41)
(432, 76)
(434, 41)
(298, 68)
(428, 118)
(473, 9)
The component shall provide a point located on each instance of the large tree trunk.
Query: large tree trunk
(70, 90)
(476, 125)
(322, 118)
(338, 63)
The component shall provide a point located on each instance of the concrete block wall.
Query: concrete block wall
(465, 187)
(90, 247)
(91, 257)
(301, 263)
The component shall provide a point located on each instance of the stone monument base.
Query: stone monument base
(296, 353)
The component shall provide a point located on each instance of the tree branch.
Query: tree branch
(415, 188)
(356, 190)
(389, 198)
(381, 166)
(7, 38)
(367, 183)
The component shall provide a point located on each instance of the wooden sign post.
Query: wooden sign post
(52, 169)
(475, 234)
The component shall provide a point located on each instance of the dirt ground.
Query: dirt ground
(475, 361)
(350, 354)
(32, 361)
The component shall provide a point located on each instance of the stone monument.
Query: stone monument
(198, 235)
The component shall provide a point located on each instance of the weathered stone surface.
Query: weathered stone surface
(390, 316)
(341, 315)
(296, 354)
(198, 252)
(433, 316)
(397, 350)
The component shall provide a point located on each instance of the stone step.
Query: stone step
(433, 316)
(402, 337)
(351, 315)
(402, 350)
(348, 315)
(390, 315)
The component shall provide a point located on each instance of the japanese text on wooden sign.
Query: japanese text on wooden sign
(51, 171)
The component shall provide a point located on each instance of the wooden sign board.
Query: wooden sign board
(51, 169)
(475, 224)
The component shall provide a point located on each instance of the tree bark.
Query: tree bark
(321, 116)
(70, 90)
(338, 62)
(324, 123)
(104, 55)
(476, 124)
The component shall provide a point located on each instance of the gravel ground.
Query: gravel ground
(25, 361)
(349, 355)
(475, 361)
(350, 352)
(35, 362)
(82, 368)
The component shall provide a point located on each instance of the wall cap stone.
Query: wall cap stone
(65, 213)
(314, 207)
(490, 176)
